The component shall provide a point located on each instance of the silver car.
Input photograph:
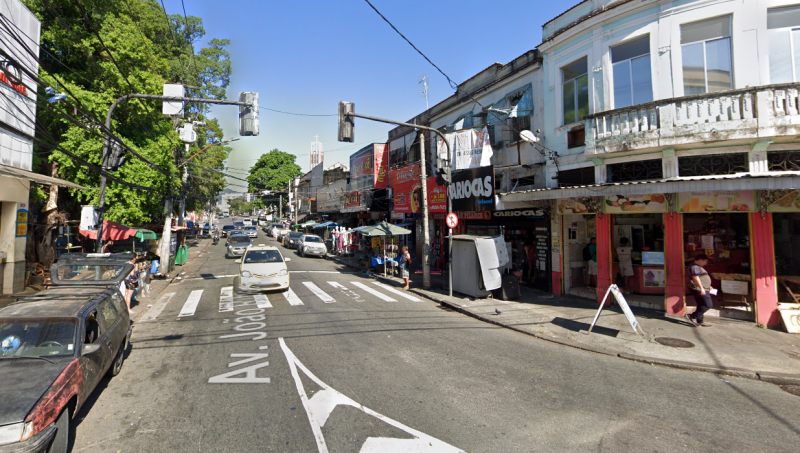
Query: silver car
(237, 244)
(311, 245)
(251, 231)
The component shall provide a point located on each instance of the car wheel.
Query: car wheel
(116, 367)
(60, 442)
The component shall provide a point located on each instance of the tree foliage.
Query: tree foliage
(273, 171)
(98, 50)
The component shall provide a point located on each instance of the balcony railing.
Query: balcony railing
(759, 112)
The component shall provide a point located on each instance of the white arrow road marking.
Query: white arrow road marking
(319, 293)
(322, 404)
(292, 297)
(191, 304)
(157, 308)
(373, 292)
(262, 301)
(398, 292)
(352, 295)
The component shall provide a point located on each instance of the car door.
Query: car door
(92, 364)
(110, 339)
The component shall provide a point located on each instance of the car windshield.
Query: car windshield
(238, 223)
(83, 273)
(263, 256)
(37, 337)
(295, 235)
(228, 227)
(240, 239)
(312, 239)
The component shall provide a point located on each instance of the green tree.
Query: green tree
(273, 171)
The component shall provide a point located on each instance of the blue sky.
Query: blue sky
(305, 56)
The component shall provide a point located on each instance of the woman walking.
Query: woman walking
(405, 263)
(131, 282)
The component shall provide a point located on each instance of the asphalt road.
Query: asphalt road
(357, 367)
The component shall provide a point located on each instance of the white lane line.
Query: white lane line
(319, 293)
(398, 292)
(191, 304)
(262, 301)
(157, 308)
(292, 297)
(373, 292)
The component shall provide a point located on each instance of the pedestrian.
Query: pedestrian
(108, 247)
(405, 264)
(530, 254)
(700, 286)
(131, 282)
(592, 262)
(624, 254)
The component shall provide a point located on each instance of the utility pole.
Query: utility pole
(426, 244)
(184, 180)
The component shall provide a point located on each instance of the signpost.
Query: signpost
(452, 220)
(626, 309)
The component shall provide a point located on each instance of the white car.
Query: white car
(311, 245)
(250, 230)
(263, 268)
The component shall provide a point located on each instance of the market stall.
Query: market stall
(378, 235)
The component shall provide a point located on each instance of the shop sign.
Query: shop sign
(361, 166)
(473, 190)
(381, 167)
(516, 213)
(468, 215)
(352, 199)
(398, 216)
(575, 206)
(786, 201)
(408, 197)
(22, 223)
(723, 201)
(404, 174)
(470, 148)
(626, 204)
(437, 196)
(654, 278)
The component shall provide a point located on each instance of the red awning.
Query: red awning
(111, 230)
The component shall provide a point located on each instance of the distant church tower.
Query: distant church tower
(316, 152)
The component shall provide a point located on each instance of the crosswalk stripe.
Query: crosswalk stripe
(373, 292)
(262, 301)
(398, 292)
(292, 297)
(319, 293)
(191, 304)
(157, 308)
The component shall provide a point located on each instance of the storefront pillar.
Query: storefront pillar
(673, 262)
(604, 238)
(765, 285)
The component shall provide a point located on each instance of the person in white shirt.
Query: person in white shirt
(623, 253)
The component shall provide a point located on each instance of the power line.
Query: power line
(191, 45)
(292, 113)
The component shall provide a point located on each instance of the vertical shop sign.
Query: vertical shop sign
(381, 167)
(22, 221)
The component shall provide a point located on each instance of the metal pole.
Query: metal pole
(450, 230)
(184, 180)
(426, 239)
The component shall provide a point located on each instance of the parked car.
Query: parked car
(251, 231)
(56, 346)
(263, 268)
(311, 244)
(237, 244)
(227, 229)
(290, 240)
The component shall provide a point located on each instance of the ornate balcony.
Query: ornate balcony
(750, 113)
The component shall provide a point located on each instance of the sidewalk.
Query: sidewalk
(729, 347)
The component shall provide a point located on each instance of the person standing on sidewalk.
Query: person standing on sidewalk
(405, 263)
(592, 262)
(700, 286)
(624, 254)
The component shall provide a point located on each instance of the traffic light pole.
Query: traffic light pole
(101, 208)
(449, 199)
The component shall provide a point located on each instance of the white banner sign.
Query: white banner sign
(470, 148)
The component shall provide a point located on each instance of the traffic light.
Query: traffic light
(346, 122)
(443, 177)
(115, 158)
(248, 114)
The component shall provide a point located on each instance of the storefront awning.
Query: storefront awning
(15, 172)
(740, 181)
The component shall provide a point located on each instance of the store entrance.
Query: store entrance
(786, 229)
(638, 251)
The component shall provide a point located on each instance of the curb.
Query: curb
(770, 377)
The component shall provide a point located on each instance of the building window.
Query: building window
(522, 182)
(641, 170)
(576, 137)
(575, 91)
(583, 176)
(784, 44)
(706, 51)
(632, 76)
(783, 160)
(715, 164)
(516, 125)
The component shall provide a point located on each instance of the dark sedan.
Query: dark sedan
(292, 239)
(56, 346)
(227, 229)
